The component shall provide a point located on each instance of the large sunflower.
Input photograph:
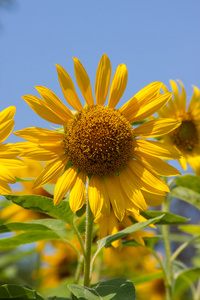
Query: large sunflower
(8, 151)
(98, 143)
(186, 137)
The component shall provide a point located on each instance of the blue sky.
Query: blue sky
(157, 40)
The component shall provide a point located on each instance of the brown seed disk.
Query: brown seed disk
(99, 140)
(185, 137)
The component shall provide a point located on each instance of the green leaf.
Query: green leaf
(27, 238)
(61, 291)
(59, 298)
(191, 182)
(146, 278)
(186, 195)
(44, 205)
(43, 224)
(139, 122)
(179, 238)
(14, 291)
(149, 242)
(111, 238)
(118, 289)
(168, 218)
(24, 179)
(183, 280)
(193, 229)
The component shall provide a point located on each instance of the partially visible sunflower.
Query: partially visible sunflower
(186, 137)
(58, 266)
(16, 213)
(133, 262)
(8, 151)
(99, 144)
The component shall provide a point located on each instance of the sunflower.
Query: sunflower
(16, 213)
(186, 137)
(8, 151)
(98, 144)
(57, 266)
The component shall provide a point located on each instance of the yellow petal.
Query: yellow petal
(50, 171)
(194, 102)
(113, 229)
(64, 183)
(102, 81)
(115, 195)
(8, 151)
(194, 162)
(156, 127)
(68, 88)
(95, 194)
(103, 226)
(118, 85)
(5, 129)
(7, 114)
(182, 98)
(157, 149)
(5, 189)
(12, 163)
(148, 177)
(144, 96)
(155, 164)
(146, 110)
(175, 90)
(152, 199)
(77, 193)
(106, 202)
(6, 175)
(149, 92)
(183, 162)
(34, 151)
(40, 135)
(132, 191)
(56, 105)
(42, 109)
(142, 184)
(83, 81)
(137, 236)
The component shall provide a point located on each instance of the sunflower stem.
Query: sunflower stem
(88, 244)
(167, 246)
(73, 226)
(79, 269)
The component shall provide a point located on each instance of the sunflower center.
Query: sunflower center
(185, 137)
(99, 140)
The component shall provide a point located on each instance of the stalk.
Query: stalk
(88, 245)
(167, 246)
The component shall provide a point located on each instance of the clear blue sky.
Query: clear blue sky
(157, 40)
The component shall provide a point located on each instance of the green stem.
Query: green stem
(88, 245)
(167, 246)
(79, 238)
(79, 269)
(197, 293)
(160, 263)
(181, 248)
(70, 244)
